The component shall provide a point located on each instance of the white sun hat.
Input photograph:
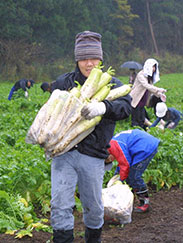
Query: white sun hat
(148, 69)
(161, 109)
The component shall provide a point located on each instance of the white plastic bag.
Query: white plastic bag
(118, 203)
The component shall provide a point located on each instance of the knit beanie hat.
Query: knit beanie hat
(88, 46)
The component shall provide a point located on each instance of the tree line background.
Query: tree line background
(37, 36)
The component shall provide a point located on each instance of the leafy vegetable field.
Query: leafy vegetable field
(25, 174)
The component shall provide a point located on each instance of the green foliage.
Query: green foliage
(24, 171)
(78, 204)
(12, 212)
(166, 17)
(36, 35)
(166, 168)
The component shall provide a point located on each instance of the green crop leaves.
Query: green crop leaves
(23, 168)
(24, 172)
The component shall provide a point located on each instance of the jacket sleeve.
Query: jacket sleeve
(155, 122)
(123, 164)
(143, 81)
(120, 108)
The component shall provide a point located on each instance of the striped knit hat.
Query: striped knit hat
(88, 46)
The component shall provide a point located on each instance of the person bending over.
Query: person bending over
(23, 84)
(133, 150)
(143, 86)
(170, 116)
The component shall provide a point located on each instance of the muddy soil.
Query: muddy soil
(163, 224)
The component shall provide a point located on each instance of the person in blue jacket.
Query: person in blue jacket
(21, 84)
(170, 115)
(133, 150)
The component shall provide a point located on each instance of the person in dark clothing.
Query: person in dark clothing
(47, 87)
(132, 76)
(170, 116)
(84, 164)
(23, 84)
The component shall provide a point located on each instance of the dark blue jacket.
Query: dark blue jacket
(97, 142)
(21, 84)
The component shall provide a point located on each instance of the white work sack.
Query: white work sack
(118, 203)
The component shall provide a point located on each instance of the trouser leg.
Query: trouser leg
(11, 93)
(138, 116)
(90, 181)
(136, 181)
(63, 184)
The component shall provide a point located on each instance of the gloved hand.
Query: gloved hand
(161, 93)
(93, 109)
(26, 94)
(161, 90)
(163, 97)
(161, 127)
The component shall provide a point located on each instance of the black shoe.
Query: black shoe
(63, 236)
(93, 235)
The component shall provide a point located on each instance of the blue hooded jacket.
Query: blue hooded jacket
(131, 147)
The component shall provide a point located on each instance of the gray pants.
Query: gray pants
(67, 171)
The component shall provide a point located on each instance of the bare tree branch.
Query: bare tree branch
(151, 28)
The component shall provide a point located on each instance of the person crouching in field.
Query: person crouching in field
(47, 87)
(133, 150)
(170, 116)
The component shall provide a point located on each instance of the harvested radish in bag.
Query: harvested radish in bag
(118, 203)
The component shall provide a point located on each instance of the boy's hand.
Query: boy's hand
(109, 159)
